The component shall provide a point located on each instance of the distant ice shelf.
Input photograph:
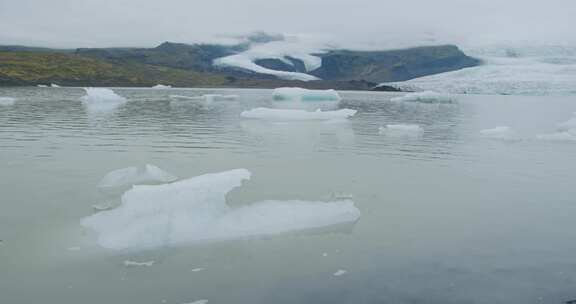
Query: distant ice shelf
(195, 210)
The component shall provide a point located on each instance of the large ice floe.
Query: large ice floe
(511, 69)
(126, 177)
(195, 210)
(102, 99)
(425, 97)
(300, 94)
(7, 101)
(297, 115)
(500, 132)
(291, 47)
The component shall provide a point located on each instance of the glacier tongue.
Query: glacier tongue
(195, 210)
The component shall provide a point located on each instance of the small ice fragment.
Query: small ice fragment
(208, 98)
(570, 124)
(103, 206)
(7, 101)
(197, 269)
(161, 86)
(134, 176)
(42, 86)
(558, 136)
(300, 94)
(501, 132)
(204, 301)
(325, 254)
(102, 99)
(401, 130)
(53, 85)
(425, 97)
(295, 115)
(164, 301)
(340, 272)
(129, 263)
(74, 248)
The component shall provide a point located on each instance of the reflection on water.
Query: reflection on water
(447, 216)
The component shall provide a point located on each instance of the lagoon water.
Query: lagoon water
(448, 216)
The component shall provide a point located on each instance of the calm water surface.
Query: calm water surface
(447, 216)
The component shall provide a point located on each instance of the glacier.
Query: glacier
(7, 101)
(295, 115)
(300, 94)
(295, 47)
(509, 69)
(195, 210)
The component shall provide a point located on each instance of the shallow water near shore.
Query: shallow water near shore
(448, 216)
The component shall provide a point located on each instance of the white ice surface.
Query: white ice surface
(133, 175)
(291, 114)
(340, 272)
(500, 132)
(53, 85)
(195, 210)
(129, 263)
(426, 97)
(7, 101)
(300, 94)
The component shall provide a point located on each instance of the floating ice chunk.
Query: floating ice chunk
(102, 99)
(501, 132)
(208, 98)
(290, 114)
(570, 124)
(134, 175)
(325, 254)
(7, 101)
(204, 301)
(129, 263)
(53, 85)
(425, 97)
(42, 86)
(340, 272)
(161, 86)
(559, 136)
(401, 130)
(74, 248)
(197, 269)
(299, 94)
(195, 210)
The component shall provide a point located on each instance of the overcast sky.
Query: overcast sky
(104, 23)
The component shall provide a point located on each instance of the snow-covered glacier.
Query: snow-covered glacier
(514, 69)
(195, 210)
(293, 47)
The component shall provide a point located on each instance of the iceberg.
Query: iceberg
(7, 101)
(401, 130)
(501, 132)
(102, 99)
(161, 86)
(133, 176)
(291, 115)
(194, 210)
(425, 97)
(53, 85)
(300, 94)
